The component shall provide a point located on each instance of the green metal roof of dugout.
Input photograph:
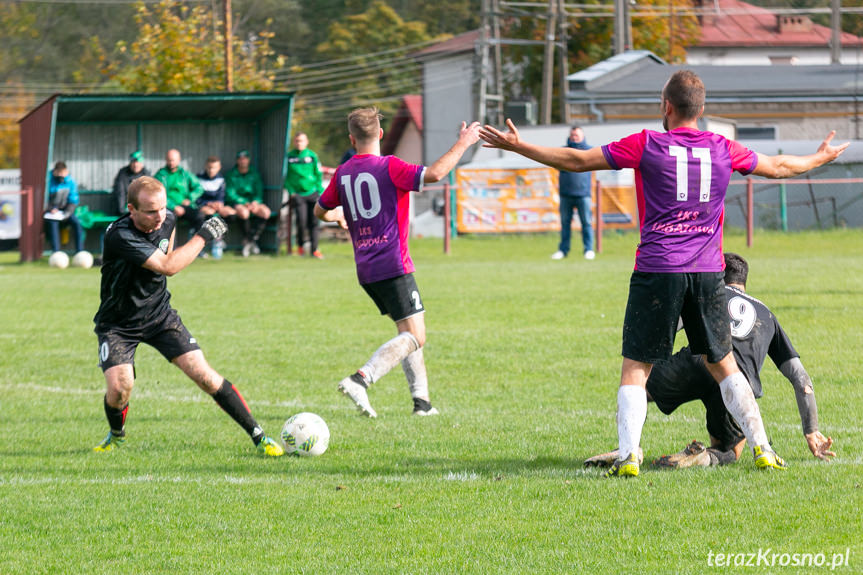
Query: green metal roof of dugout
(212, 107)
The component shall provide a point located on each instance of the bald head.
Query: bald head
(172, 159)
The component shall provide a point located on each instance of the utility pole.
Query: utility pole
(619, 26)
(229, 49)
(563, 62)
(548, 63)
(670, 31)
(490, 101)
(483, 63)
(498, 62)
(835, 36)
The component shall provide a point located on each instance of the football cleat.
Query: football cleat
(317, 255)
(270, 447)
(110, 443)
(423, 407)
(624, 467)
(693, 455)
(607, 459)
(766, 458)
(354, 387)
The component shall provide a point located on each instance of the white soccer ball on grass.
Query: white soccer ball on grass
(82, 259)
(59, 260)
(305, 434)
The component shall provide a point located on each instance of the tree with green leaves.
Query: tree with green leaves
(381, 76)
(179, 48)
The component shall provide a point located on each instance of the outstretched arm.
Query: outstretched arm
(176, 260)
(819, 445)
(467, 137)
(786, 166)
(567, 159)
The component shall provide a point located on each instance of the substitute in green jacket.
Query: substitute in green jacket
(244, 190)
(304, 183)
(182, 187)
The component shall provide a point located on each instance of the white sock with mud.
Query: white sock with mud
(740, 403)
(388, 356)
(414, 366)
(631, 413)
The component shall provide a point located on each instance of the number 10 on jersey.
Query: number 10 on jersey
(354, 194)
(681, 154)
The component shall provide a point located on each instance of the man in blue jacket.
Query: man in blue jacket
(62, 201)
(575, 194)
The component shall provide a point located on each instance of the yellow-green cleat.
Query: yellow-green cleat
(270, 447)
(110, 443)
(766, 458)
(624, 467)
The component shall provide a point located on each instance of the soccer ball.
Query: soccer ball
(305, 434)
(59, 260)
(82, 259)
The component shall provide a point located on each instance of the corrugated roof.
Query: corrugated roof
(801, 82)
(616, 62)
(167, 107)
(738, 24)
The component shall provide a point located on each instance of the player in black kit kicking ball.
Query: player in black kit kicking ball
(138, 254)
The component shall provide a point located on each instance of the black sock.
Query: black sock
(718, 457)
(116, 418)
(247, 228)
(234, 405)
(422, 404)
(258, 227)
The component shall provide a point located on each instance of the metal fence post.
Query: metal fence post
(749, 215)
(447, 207)
(598, 226)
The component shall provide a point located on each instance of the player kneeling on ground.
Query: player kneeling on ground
(756, 334)
(376, 191)
(138, 254)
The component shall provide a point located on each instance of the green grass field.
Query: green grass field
(523, 360)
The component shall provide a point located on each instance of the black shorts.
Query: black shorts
(655, 303)
(684, 378)
(170, 337)
(396, 297)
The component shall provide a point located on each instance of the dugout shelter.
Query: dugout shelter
(95, 133)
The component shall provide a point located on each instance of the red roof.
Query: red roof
(413, 105)
(740, 24)
(410, 110)
(465, 42)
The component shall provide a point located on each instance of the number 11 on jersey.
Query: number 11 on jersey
(681, 154)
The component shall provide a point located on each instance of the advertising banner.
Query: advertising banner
(497, 200)
(10, 204)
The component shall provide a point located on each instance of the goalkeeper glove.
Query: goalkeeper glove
(213, 229)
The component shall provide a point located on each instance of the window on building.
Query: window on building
(756, 132)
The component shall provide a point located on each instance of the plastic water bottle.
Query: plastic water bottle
(217, 250)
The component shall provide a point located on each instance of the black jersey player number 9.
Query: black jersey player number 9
(743, 316)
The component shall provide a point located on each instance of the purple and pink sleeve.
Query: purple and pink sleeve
(743, 159)
(625, 153)
(405, 176)
(329, 200)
